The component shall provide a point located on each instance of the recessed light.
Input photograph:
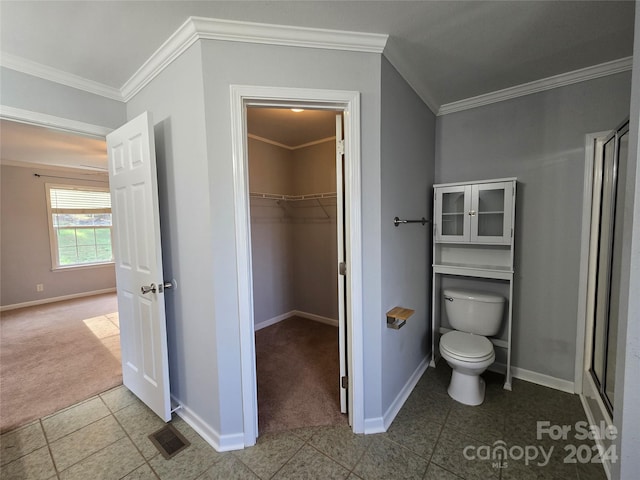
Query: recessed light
(297, 110)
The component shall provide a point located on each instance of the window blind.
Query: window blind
(65, 200)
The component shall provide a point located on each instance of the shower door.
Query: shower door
(609, 246)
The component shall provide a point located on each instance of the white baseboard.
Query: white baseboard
(221, 443)
(381, 424)
(295, 313)
(606, 462)
(316, 318)
(402, 397)
(273, 321)
(43, 301)
(374, 425)
(535, 377)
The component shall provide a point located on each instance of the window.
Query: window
(79, 225)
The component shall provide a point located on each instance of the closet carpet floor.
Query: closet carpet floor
(298, 375)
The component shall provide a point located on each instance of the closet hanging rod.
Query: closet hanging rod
(309, 196)
(397, 221)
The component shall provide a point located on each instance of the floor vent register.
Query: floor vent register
(169, 441)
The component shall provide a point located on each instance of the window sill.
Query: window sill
(82, 267)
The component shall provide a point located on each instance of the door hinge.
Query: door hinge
(342, 268)
(340, 147)
(344, 382)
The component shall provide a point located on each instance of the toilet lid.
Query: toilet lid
(462, 344)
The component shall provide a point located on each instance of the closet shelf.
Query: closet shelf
(292, 198)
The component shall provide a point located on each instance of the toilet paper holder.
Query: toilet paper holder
(397, 317)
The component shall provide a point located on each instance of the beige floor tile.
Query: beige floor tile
(189, 464)
(434, 472)
(118, 398)
(385, 459)
(74, 418)
(20, 442)
(36, 465)
(111, 463)
(142, 473)
(229, 468)
(309, 464)
(270, 453)
(451, 453)
(340, 444)
(139, 422)
(86, 441)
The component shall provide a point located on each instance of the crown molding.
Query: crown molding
(576, 76)
(45, 72)
(291, 147)
(196, 28)
(51, 121)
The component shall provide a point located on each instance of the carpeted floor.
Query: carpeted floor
(298, 374)
(55, 355)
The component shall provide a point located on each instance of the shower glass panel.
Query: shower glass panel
(453, 213)
(612, 334)
(605, 327)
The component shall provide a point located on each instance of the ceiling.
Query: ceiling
(447, 50)
(21, 143)
(291, 129)
(24, 144)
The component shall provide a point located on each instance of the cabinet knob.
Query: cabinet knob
(472, 213)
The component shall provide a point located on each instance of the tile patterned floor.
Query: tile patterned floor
(105, 438)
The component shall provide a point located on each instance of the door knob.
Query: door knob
(148, 288)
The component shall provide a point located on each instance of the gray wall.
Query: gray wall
(540, 140)
(25, 250)
(315, 249)
(293, 244)
(196, 173)
(176, 100)
(270, 171)
(27, 92)
(627, 399)
(407, 172)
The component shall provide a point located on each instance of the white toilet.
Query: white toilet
(474, 316)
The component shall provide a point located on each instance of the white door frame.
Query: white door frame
(585, 320)
(349, 103)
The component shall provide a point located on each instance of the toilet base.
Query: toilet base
(466, 389)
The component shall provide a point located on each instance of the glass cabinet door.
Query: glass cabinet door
(452, 206)
(490, 213)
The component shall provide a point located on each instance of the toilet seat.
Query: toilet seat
(466, 347)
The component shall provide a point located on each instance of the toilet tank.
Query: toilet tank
(473, 311)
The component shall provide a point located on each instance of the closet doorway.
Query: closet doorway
(296, 207)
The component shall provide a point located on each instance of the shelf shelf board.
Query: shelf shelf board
(486, 271)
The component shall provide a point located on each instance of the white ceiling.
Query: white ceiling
(447, 50)
(22, 144)
(291, 129)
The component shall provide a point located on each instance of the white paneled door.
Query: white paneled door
(138, 260)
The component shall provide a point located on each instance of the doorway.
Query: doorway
(242, 98)
(297, 223)
(59, 324)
